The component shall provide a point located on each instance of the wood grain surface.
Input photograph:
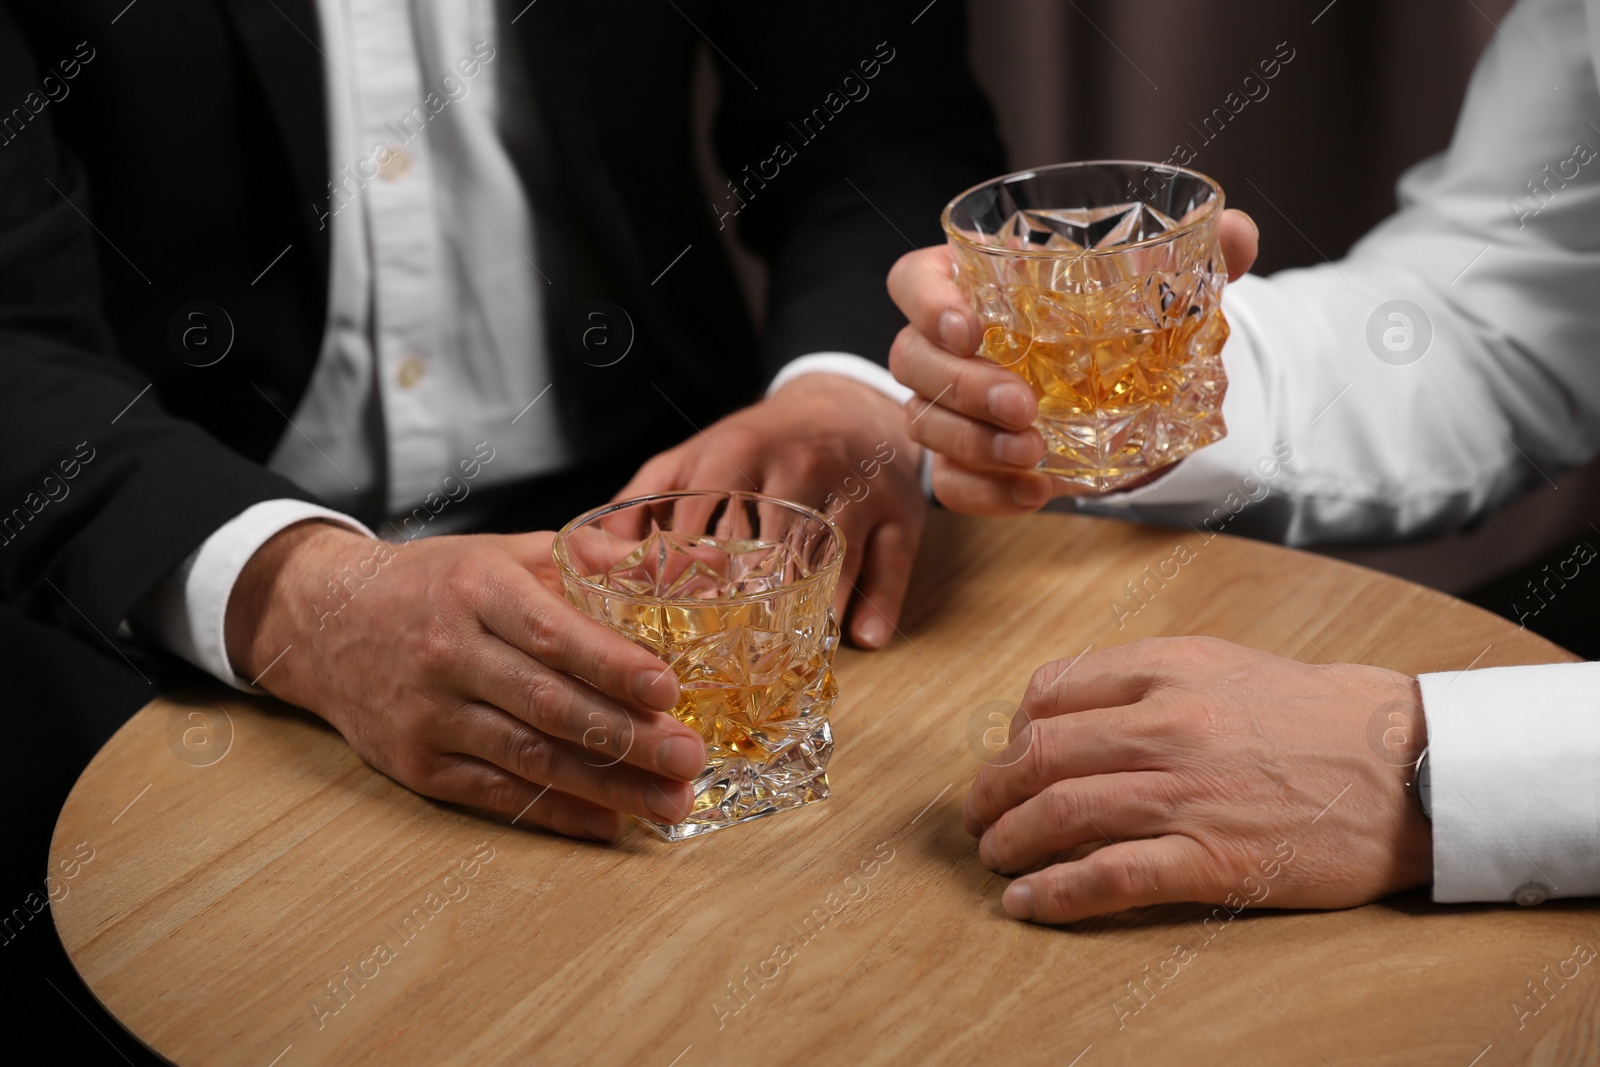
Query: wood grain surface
(254, 894)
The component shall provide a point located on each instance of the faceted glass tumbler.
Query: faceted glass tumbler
(735, 592)
(1101, 284)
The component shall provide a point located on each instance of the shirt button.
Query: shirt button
(1530, 894)
(410, 371)
(394, 165)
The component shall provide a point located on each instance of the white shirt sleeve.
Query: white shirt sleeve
(1514, 764)
(1496, 249)
(186, 613)
(843, 365)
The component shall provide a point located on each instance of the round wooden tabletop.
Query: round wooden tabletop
(243, 889)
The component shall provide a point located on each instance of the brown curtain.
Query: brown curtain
(1312, 153)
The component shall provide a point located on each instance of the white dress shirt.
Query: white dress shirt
(433, 340)
(1498, 243)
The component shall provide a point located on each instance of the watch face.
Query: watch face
(1424, 786)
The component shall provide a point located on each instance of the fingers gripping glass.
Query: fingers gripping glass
(735, 592)
(1101, 284)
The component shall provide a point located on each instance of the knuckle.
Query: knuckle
(1001, 835)
(1161, 662)
(544, 698)
(1022, 743)
(440, 648)
(1057, 892)
(1188, 649)
(414, 765)
(1061, 811)
(977, 444)
(1147, 648)
(666, 460)
(738, 439)
(985, 793)
(1184, 652)
(1161, 799)
(530, 755)
(1020, 728)
(543, 631)
(949, 487)
(949, 438)
(1121, 882)
(1035, 761)
(503, 794)
(655, 472)
(1042, 686)
(465, 577)
(921, 430)
(811, 463)
(901, 356)
(972, 384)
(1167, 734)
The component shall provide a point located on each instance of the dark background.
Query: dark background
(1373, 87)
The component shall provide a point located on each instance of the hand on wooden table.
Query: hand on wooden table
(1195, 769)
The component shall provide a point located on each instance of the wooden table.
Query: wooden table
(240, 877)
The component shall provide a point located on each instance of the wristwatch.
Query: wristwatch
(1420, 786)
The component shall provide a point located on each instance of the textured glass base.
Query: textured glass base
(1109, 453)
(740, 790)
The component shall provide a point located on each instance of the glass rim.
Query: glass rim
(564, 565)
(1216, 206)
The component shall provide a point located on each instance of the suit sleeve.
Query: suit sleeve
(845, 129)
(101, 492)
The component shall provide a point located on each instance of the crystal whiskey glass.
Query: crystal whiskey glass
(735, 592)
(1101, 284)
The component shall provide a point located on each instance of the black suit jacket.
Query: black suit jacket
(188, 149)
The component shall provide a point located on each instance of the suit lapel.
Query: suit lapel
(280, 40)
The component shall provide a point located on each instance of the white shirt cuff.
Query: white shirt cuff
(869, 374)
(187, 612)
(844, 365)
(1514, 768)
